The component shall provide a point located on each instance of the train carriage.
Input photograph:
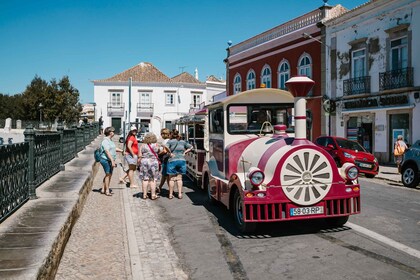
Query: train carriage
(263, 173)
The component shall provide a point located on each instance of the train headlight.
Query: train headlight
(256, 177)
(349, 171)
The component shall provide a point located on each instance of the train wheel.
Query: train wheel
(244, 227)
(337, 222)
(206, 186)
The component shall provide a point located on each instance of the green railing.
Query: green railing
(25, 166)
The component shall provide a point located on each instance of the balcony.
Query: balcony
(145, 110)
(115, 109)
(394, 79)
(356, 85)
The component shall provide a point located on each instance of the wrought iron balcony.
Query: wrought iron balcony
(356, 85)
(195, 106)
(399, 78)
(145, 110)
(115, 110)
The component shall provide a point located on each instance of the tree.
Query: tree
(60, 100)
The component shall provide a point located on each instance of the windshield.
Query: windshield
(250, 118)
(350, 145)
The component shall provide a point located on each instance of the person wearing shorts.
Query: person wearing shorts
(176, 166)
(108, 158)
(131, 156)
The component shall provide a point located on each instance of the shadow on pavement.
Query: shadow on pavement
(224, 219)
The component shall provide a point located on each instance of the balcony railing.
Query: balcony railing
(356, 85)
(115, 110)
(145, 110)
(399, 78)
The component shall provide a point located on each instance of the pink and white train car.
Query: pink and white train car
(265, 174)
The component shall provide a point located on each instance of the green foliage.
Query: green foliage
(60, 100)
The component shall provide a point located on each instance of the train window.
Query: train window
(238, 120)
(216, 121)
(249, 118)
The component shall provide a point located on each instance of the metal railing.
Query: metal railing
(25, 166)
(356, 85)
(399, 78)
(115, 109)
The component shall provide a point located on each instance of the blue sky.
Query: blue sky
(96, 39)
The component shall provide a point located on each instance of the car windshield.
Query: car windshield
(350, 145)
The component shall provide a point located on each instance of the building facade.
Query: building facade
(374, 79)
(272, 57)
(145, 95)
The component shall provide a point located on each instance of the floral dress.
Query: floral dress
(149, 164)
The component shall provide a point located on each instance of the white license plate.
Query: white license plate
(365, 165)
(306, 211)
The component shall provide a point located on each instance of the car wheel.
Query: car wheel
(244, 227)
(409, 176)
(370, 175)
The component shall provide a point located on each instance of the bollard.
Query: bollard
(30, 138)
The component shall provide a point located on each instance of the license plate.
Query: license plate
(306, 211)
(365, 165)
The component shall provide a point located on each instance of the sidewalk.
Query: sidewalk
(118, 237)
(389, 173)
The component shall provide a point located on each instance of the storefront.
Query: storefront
(376, 122)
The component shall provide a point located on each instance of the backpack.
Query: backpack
(97, 154)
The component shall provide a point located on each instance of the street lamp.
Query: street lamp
(40, 106)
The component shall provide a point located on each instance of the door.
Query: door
(116, 123)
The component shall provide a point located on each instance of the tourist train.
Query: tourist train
(252, 155)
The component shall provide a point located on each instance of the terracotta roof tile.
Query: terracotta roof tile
(185, 77)
(212, 78)
(142, 72)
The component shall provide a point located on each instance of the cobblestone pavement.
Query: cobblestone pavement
(119, 237)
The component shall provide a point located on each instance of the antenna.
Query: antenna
(181, 68)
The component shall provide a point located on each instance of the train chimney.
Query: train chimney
(299, 86)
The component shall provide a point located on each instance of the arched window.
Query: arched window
(237, 84)
(250, 80)
(266, 76)
(305, 65)
(283, 74)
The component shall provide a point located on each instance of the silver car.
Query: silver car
(410, 166)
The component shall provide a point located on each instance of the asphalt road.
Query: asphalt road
(383, 242)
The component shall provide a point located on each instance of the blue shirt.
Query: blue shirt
(109, 145)
(177, 147)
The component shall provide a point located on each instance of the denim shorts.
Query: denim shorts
(130, 159)
(175, 167)
(106, 164)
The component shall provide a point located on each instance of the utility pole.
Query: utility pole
(130, 82)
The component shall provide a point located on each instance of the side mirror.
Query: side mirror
(330, 146)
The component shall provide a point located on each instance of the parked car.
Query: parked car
(410, 166)
(344, 150)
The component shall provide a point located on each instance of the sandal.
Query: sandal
(170, 196)
(154, 197)
(108, 194)
(122, 181)
(145, 197)
(102, 191)
(179, 196)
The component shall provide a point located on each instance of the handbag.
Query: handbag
(398, 150)
(153, 152)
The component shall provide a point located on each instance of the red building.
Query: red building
(272, 57)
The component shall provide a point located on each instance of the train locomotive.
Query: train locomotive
(247, 157)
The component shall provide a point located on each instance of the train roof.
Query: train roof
(260, 95)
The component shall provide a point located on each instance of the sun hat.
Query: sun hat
(133, 127)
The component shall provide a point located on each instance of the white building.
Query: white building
(145, 95)
(375, 76)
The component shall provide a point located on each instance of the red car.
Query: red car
(344, 150)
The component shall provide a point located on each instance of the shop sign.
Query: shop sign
(399, 99)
